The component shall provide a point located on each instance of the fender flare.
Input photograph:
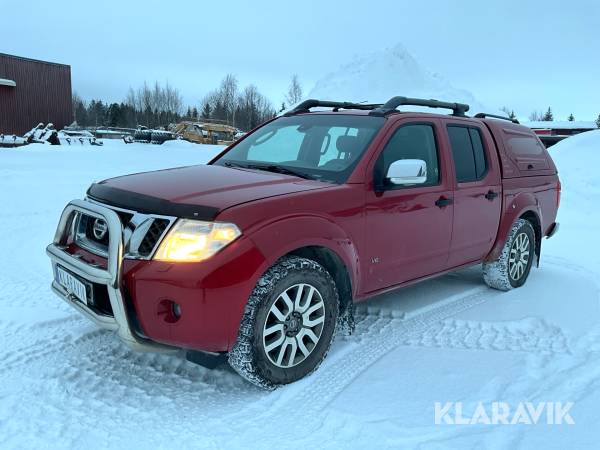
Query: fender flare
(515, 207)
(283, 236)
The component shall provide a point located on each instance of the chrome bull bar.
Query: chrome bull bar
(110, 277)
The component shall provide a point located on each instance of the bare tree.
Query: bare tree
(509, 112)
(294, 93)
(536, 116)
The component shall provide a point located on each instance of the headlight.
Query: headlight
(192, 240)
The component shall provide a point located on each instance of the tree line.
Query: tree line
(540, 116)
(158, 106)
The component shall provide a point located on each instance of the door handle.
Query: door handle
(491, 195)
(443, 201)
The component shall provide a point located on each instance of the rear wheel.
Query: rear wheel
(512, 267)
(288, 325)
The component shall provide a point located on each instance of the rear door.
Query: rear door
(477, 192)
(408, 228)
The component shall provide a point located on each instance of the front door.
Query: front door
(408, 227)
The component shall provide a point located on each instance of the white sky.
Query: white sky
(523, 54)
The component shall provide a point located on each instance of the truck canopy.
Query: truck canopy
(521, 152)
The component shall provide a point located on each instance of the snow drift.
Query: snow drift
(376, 77)
(577, 159)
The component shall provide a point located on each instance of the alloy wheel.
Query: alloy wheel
(293, 325)
(519, 256)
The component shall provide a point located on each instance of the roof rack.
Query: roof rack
(495, 116)
(458, 109)
(378, 109)
(313, 103)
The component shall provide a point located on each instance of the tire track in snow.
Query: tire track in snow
(390, 332)
(378, 332)
(41, 348)
(529, 335)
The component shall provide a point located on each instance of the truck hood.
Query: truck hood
(198, 192)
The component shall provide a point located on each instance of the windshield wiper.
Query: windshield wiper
(270, 168)
(280, 169)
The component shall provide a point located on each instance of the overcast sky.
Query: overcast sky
(523, 54)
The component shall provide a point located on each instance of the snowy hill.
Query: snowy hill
(377, 76)
(574, 157)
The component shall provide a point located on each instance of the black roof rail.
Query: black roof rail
(495, 116)
(313, 103)
(458, 109)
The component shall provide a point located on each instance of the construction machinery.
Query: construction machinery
(206, 132)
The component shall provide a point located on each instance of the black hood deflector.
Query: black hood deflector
(147, 204)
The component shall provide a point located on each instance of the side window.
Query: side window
(468, 153)
(411, 142)
(478, 152)
(524, 146)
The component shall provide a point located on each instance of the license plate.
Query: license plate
(71, 284)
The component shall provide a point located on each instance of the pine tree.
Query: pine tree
(206, 111)
(195, 113)
(282, 107)
(571, 118)
(598, 121)
(548, 116)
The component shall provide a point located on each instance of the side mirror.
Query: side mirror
(407, 171)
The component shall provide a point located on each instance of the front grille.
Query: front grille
(91, 234)
(140, 240)
(152, 237)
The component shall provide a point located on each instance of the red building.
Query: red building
(551, 132)
(31, 92)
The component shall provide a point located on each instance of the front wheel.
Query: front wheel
(288, 324)
(512, 267)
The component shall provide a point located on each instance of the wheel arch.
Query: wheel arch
(334, 264)
(522, 206)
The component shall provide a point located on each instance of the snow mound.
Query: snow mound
(577, 159)
(378, 76)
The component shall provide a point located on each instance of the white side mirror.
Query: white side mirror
(407, 171)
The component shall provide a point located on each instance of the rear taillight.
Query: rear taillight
(558, 189)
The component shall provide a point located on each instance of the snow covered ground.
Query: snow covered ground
(66, 384)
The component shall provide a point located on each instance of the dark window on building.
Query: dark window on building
(411, 142)
(468, 153)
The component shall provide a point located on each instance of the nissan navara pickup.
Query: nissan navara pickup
(259, 255)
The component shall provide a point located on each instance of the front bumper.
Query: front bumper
(109, 277)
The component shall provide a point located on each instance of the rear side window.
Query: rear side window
(468, 153)
(524, 145)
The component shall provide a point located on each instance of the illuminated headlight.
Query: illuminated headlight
(193, 240)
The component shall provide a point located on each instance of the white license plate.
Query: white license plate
(71, 284)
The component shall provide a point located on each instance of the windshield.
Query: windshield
(318, 146)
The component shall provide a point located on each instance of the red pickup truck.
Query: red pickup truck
(260, 254)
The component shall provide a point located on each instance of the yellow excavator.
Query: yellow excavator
(207, 132)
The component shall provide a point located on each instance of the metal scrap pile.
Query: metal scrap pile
(47, 134)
